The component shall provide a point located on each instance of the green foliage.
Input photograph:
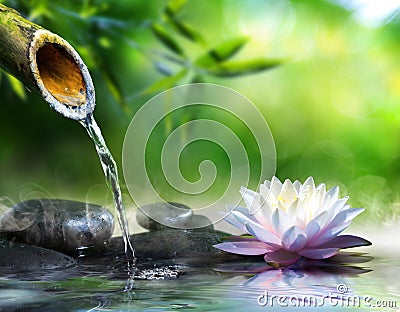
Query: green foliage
(16, 85)
(98, 32)
(227, 49)
(187, 31)
(240, 68)
(173, 7)
(162, 34)
(209, 63)
(333, 108)
(221, 52)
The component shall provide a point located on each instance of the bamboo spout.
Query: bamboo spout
(46, 63)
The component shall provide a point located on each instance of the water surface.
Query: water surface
(208, 284)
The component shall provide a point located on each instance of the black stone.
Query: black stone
(166, 215)
(21, 257)
(62, 225)
(172, 243)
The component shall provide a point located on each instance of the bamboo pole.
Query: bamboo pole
(46, 63)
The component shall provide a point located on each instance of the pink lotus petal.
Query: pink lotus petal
(255, 229)
(338, 225)
(275, 219)
(309, 182)
(241, 209)
(340, 205)
(248, 196)
(297, 186)
(257, 205)
(263, 216)
(281, 221)
(231, 219)
(293, 209)
(264, 189)
(281, 257)
(314, 226)
(244, 247)
(346, 216)
(318, 253)
(294, 239)
(345, 241)
(228, 217)
(288, 191)
(331, 196)
(333, 210)
(246, 212)
(275, 186)
(327, 234)
(262, 234)
(321, 191)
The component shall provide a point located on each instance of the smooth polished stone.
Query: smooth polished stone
(63, 225)
(16, 257)
(173, 243)
(166, 215)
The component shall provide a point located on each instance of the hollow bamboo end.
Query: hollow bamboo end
(61, 76)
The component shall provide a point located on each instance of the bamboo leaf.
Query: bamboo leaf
(222, 52)
(227, 49)
(240, 68)
(17, 86)
(165, 83)
(161, 33)
(187, 31)
(173, 7)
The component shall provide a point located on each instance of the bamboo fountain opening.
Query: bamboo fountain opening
(61, 75)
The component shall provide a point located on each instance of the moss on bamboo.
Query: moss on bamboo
(16, 33)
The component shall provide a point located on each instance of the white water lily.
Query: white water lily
(292, 220)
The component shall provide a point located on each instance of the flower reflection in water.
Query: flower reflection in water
(315, 277)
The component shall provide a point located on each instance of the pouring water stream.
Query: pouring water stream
(111, 173)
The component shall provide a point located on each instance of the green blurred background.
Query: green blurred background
(325, 74)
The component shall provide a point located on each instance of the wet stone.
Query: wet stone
(173, 243)
(167, 215)
(21, 257)
(63, 225)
